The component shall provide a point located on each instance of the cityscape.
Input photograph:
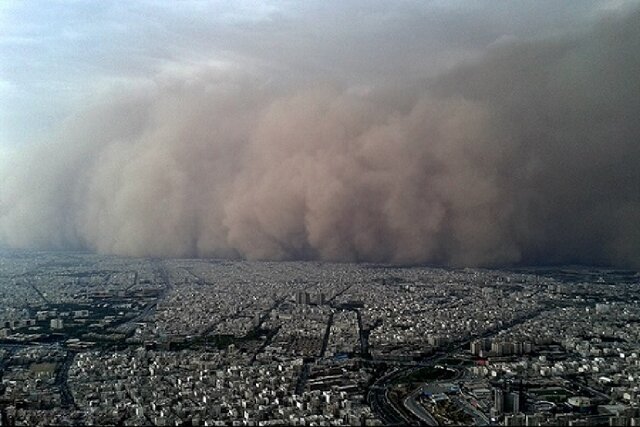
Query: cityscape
(320, 213)
(103, 340)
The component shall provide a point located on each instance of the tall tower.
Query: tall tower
(498, 401)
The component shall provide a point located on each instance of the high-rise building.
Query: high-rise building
(534, 420)
(302, 297)
(517, 347)
(56, 324)
(497, 348)
(322, 298)
(476, 347)
(527, 347)
(514, 402)
(514, 420)
(498, 401)
(619, 421)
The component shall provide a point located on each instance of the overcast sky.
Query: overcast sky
(447, 132)
(56, 53)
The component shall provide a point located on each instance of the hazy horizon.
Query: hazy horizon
(426, 133)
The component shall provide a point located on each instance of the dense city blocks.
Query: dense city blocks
(88, 339)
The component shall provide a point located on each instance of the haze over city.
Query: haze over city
(320, 213)
(450, 133)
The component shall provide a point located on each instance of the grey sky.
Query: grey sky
(55, 54)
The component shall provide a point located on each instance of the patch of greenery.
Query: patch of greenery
(428, 374)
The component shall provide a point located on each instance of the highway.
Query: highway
(412, 413)
(62, 373)
(479, 418)
(378, 399)
(418, 410)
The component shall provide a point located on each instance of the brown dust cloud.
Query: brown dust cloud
(528, 154)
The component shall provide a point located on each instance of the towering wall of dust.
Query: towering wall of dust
(529, 155)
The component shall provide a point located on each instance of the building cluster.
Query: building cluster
(207, 388)
(494, 347)
(86, 339)
(588, 347)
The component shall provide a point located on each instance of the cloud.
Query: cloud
(527, 154)
(53, 52)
